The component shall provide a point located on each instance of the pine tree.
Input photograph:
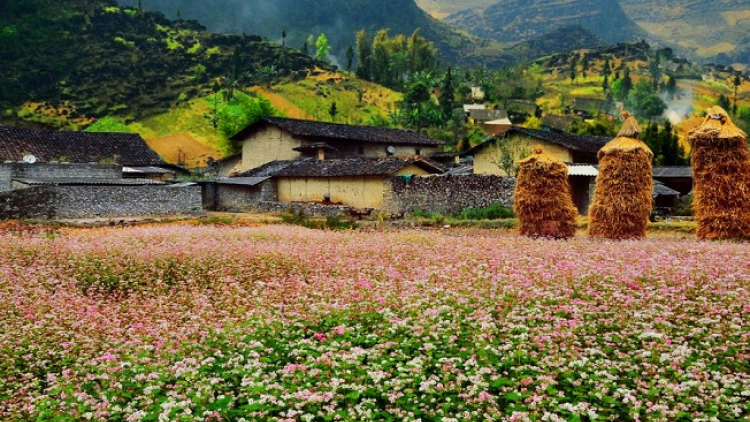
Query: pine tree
(448, 94)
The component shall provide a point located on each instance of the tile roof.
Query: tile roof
(485, 115)
(128, 149)
(321, 131)
(341, 167)
(676, 171)
(580, 143)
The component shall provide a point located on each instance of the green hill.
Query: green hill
(65, 62)
(338, 19)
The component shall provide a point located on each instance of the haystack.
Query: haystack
(542, 199)
(622, 197)
(721, 178)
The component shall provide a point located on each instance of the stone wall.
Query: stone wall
(9, 171)
(241, 198)
(100, 201)
(447, 194)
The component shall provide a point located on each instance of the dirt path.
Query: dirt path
(283, 105)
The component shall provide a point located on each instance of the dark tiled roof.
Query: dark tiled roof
(321, 131)
(341, 167)
(242, 181)
(580, 143)
(128, 149)
(678, 171)
(561, 123)
(660, 189)
(485, 115)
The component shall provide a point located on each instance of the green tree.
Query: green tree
(724, 102)
(644, 102)
(626, 84)
(448, 94)
(364, 55)
(322, 48)
(349, 58)
(665, 144)
(333, 111)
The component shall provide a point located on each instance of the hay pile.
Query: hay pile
(721, 174)
(622, 197)
(542, 199)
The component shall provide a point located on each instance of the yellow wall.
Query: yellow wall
(266, 145)
(483, 159)
(360, 192)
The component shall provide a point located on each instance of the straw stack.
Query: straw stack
(622, 197)
(542, 199)
(721, 174)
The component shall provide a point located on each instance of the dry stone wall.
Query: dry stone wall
(447, 194)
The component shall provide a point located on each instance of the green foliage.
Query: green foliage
(298, 217)
(389, 60)
(665, 145)
(685, 207)
(322, 48)
(644, 102)
(109, 124)
(235, 115)
(492, 212)
(597, 127)
(506, 153)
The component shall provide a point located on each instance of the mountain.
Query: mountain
(711, 31)
(707, 31)
(561, 40)
(339, 20)
(522, 20)
(69, 60)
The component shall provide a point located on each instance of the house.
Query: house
(578, 151)
(62, 175)
(492, 122)
(354, 182)
(282, 139)
(557, 123)
(592, 107)
(290, 160)
(566, 147)
(679, 178)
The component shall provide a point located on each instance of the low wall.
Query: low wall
(447, 194)
(99, 201)
(240, 198)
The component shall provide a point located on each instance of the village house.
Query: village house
(491, 121)
(578, 151)
(290, 160)
(65, 175)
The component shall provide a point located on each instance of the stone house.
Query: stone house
(301, 161)
(67, 175)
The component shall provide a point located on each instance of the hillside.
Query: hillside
(67, 62)
(338, 19)
(522, 20)
(706, 31)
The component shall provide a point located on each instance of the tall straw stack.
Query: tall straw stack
(542, 199)
(623, 194)
(721, 174)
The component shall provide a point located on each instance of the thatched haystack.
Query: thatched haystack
(542, 199)
(721, 178)
(622, 198)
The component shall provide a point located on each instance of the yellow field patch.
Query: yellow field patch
(735, 17)
(722, 47)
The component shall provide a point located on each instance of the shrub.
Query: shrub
(492, 212)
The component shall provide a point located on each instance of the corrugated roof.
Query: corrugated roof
(128, 149)
(322, 131)
(582, 170)
(146, 170)
(485, 115)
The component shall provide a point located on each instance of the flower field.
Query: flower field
(282, 323)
